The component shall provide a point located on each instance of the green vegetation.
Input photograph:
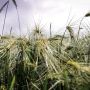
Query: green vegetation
(40, 63)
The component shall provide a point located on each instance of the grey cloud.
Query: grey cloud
(54, 10)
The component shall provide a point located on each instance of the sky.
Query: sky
(43, 12)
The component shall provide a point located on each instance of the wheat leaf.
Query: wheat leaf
(87, 14)
(12, 83)
(3, 6)
(14, 1)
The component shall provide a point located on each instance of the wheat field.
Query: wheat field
(59, 62)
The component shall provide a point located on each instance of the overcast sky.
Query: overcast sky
(43, 12)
